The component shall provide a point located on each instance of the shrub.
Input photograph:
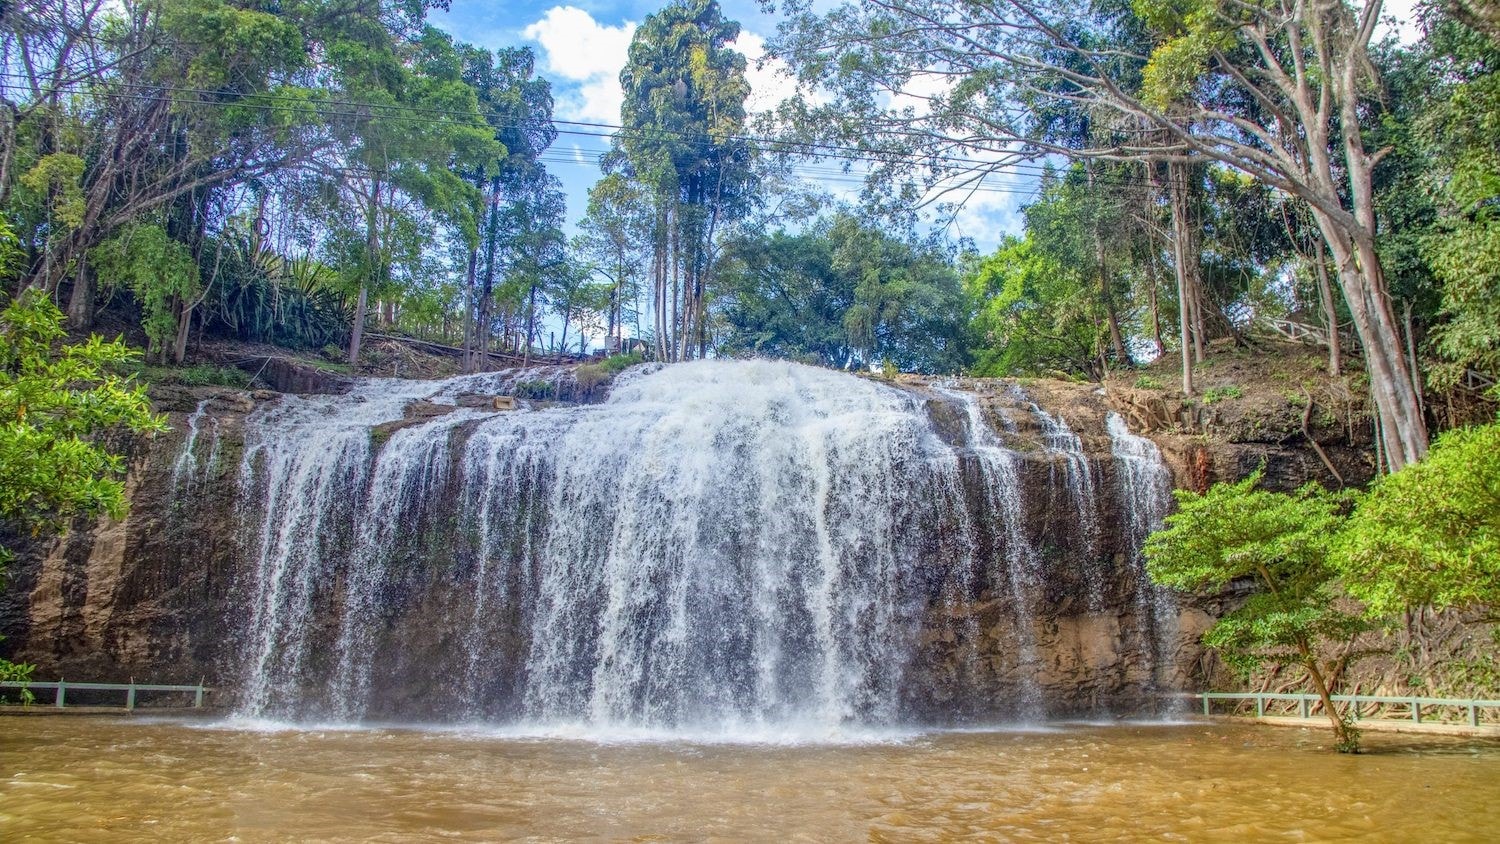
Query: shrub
(1218, 394)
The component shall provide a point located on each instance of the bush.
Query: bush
(1430, 533)
(1147, 382)
(536, 390)
(1218, 394)
(615, 364)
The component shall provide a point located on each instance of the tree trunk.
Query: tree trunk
(184, 329)
(1185, 257)
(372, 250)
(81, 302)
(1330, 311)
(1154, 302)
(470, 357)
(1402, 429)
(1411, 357)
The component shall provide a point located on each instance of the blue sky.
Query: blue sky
(581, 46)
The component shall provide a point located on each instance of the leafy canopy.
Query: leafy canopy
(55, 401)
(1430, 533)
(1283, 542)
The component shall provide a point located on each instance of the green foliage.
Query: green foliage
(1148, 382)
(1214, 395)
(845, 293)
(1283, 543)
(198, 375)
(591, 375)
(57, 181)
(158, 270)
(55, 401)
(258, 296)
(1430, 533)
(17, 672)
(615, 364)
(536, 390)
(1032, 314)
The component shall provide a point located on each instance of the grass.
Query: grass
(197, 375)
(591, 375)
(1148, 382)
(1217, 394)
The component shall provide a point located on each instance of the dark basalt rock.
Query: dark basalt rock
(157, 595)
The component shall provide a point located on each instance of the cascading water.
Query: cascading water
(721, 546)
(1019, 564)
(1146, 482)
(1078, 480)
(189, 468)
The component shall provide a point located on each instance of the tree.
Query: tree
(1452, 123)
(1277, 90)
(145, 109)
(1032, 315)
(613, 232)
(518, 106)
(1283, 544)
(684, 118)
(386, 157)
(847, 293)
(1449, 554)
(55, 401)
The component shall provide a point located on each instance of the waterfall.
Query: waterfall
(720, 546)
(1020, 566)
(1078, 481)
(1146, 487)
(187, 469)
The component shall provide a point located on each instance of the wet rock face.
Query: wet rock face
(1023, 596)
(150, 596)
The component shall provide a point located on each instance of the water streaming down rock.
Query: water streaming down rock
(1078, 481)
(1017, 563)
(1147, 484)
(189, 468)
(718, 545)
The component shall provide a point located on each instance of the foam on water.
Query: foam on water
(721, 551)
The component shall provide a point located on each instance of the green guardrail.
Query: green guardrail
(62, 687)
(1306, 703)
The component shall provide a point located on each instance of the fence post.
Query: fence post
(130, 696)
(1416, 711)
(1302, 708)
(62, 694)
(1260, 706)
(1473, 715)
(1205, 703)
(198, 695)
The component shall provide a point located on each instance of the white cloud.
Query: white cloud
(1399, 18)
(588, 54)
(771, 80)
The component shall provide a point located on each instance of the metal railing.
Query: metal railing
(62, 687)
(1306, 703)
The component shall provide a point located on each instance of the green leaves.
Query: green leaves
(160, 272)
(1430, 533)
(845, 293)
(55, 401)
(57, 179)
(1032, 313)
(1235, 530)
(1282, 544)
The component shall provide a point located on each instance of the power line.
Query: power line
(416, 114)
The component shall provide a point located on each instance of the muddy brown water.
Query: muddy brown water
(113, 779)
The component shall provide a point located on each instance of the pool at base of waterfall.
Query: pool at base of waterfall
(124, 780)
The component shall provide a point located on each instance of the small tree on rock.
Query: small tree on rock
(1281, 543)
